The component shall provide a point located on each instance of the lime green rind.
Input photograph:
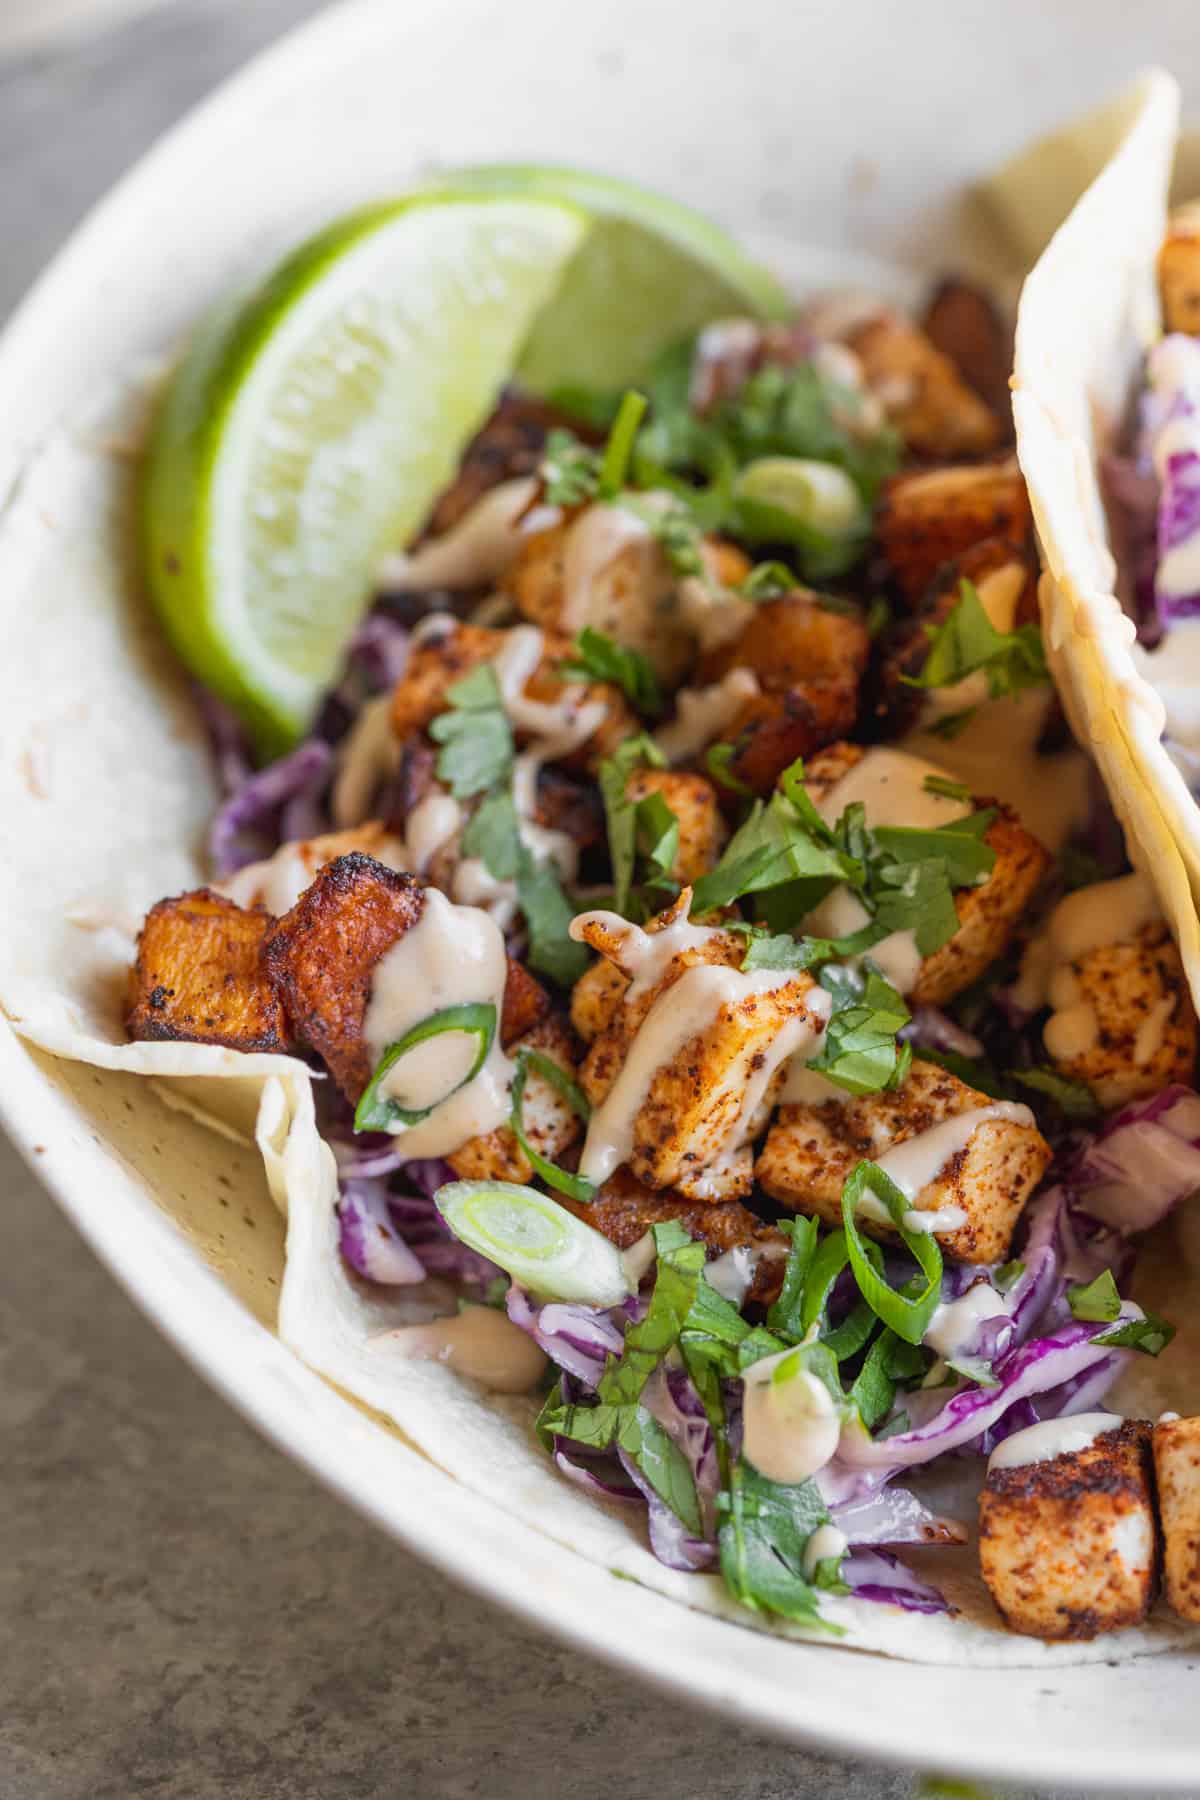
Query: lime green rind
(192, 562)
(649, 272)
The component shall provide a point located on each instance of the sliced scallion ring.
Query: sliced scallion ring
(907, 1315)
(576, 1187)
(535, 1240)
(376, 1112)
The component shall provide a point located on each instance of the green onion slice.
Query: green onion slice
(376, 1112)
(907, 1314)
(535, 1240)
(576, 1187)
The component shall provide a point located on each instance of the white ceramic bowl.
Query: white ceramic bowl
(853, 128)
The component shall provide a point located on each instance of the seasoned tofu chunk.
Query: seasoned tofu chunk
(964, 323)
(322, 955)
(278, 881)
(625, 1209)
(526, 1003)
(1123, 1020)
(704, 1098)
(772, 729)
(547, 1120)
(1004, 577)
(1177, 1473)
(921, 391)
(595, 998)
(933, 516)
(976, 1167)
(1179, 272)
(200, 976)
(988, 915)
(1068, 1546)
(599, 568)
(693, 800)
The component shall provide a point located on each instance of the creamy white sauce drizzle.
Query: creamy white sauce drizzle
(431, 824)
(366, 757)
(1108, 912)
(842, 912)
(733, 1273)
(477, 550)
(479, 1342)
(685, 1010)
(954, 1323)
(279, 880)
(1152, 1029)
(644, 956)
(452, 956)
(890, 784)
(595, 541)
(791, 1427)
(639, 1259)
(702, 715)
(806, 1087)
(825, 1543)
(1053, 1437)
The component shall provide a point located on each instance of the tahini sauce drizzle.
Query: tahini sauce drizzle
(1053, 1437)
(452, 956)
(478, 1342)
(480, 548)
(1107, 912)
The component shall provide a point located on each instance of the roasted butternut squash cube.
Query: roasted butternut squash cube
(449, 649)
(791, 641)
(1124, 1021)
(200, 976)
(932, 516)
(921, 391)
(625, 1210)
(1068, 1547)
(322, 957)
(548, 1121)
(279, 880)
(1177, 1473)
(526, 1003)
(1179, 272)
(973, 1172)
(772, 729)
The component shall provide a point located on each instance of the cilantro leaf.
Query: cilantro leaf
(1150, 1335)
(632, 1429)
(907, 1314)
(874, 1387)
(859, 1051)
(475, 735)
(764, 1532)
(493, 835)
(600, 658)
(680, 1265)
(785, 1314)
(623, 814)
(770, 849)
(968, 641)
(569, 470)
(548, 915)
(718, 760)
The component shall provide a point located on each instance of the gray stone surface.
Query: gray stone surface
(183, 1614)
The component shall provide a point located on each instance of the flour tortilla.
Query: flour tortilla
(105, 793)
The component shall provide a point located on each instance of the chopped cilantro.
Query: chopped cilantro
(859, 1051)
(599, 657)
(475, 735)
(718, 761)
(785, 1313)
(1099, 1299)
(764, 1532)
(569, 471)
(907, 1311)
(968, 641)
(1150, 1335)
(632, 823)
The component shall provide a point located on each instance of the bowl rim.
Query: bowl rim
(466, 1536)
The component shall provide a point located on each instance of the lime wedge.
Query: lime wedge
(310, 427)
(649, 271)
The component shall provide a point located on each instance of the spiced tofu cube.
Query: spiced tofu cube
(933, 516)
(1124, 1021)
(977, 1165)
(549, 1122)
(1176, 1446)
(1179, 272)
(1068, 1546)
(200, 976)
(322, 957)
(921, 391)
(693, 800)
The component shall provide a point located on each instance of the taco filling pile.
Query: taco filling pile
(730, 1000)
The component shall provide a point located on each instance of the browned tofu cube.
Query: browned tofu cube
(595, 998)
(526, 1003)
(921, 391)
(547, 1120)
(689, 1131)
(629, 589)
(1177, 1472)
(625, 1209)
(933, 516)
(693, 800)
(772, 729)
(508, 444)
(983, 1170)
(964, 323)
(988, 915)
(790, 641)
(1179, 272)
(1124, 1021)
(1005, 578)
(200, 976)
(1068, 1547)
(322, 956)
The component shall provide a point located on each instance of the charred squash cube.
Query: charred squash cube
(200, 976)
(933, 516)
(322, 955)
(1068, 1547)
